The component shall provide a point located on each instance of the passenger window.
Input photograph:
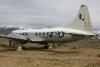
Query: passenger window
(26, 33)
(43, 33)
(20, 33)
(35, 33)
(23, 33)
(39, 33)
(47, 33)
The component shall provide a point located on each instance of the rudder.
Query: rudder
(82, 20)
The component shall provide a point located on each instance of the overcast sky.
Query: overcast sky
(45, 12)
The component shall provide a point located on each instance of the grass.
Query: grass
(50, 58)
(84, 54)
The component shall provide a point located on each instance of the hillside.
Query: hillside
(7, 29)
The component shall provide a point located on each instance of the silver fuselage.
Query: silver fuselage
(53, 35)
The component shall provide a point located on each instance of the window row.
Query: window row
(22, 33)
(47, 33)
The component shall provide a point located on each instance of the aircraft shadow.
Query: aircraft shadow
(54, 51)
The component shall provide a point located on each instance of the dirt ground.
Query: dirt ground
(75, 56)
(50, 58)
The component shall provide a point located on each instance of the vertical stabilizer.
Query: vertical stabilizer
(82, 20)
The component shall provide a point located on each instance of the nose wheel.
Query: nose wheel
(16, 45)
(12, 44)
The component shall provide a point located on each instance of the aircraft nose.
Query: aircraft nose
(12, 34)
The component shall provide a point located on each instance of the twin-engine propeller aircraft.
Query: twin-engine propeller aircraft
(79, 28)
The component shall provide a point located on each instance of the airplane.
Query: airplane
(79, 28)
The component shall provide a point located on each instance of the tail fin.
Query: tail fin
(82, 20)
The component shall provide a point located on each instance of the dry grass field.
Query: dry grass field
(80, 54)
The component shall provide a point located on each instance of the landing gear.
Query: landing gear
(17, 45)
(50, 46)
(46, 46)
(12, 44)
(55, 45)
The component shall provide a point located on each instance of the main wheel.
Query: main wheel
(46, 46)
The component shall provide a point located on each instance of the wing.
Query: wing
(10, 37)
(33, 39)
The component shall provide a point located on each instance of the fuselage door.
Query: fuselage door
(61, 34)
